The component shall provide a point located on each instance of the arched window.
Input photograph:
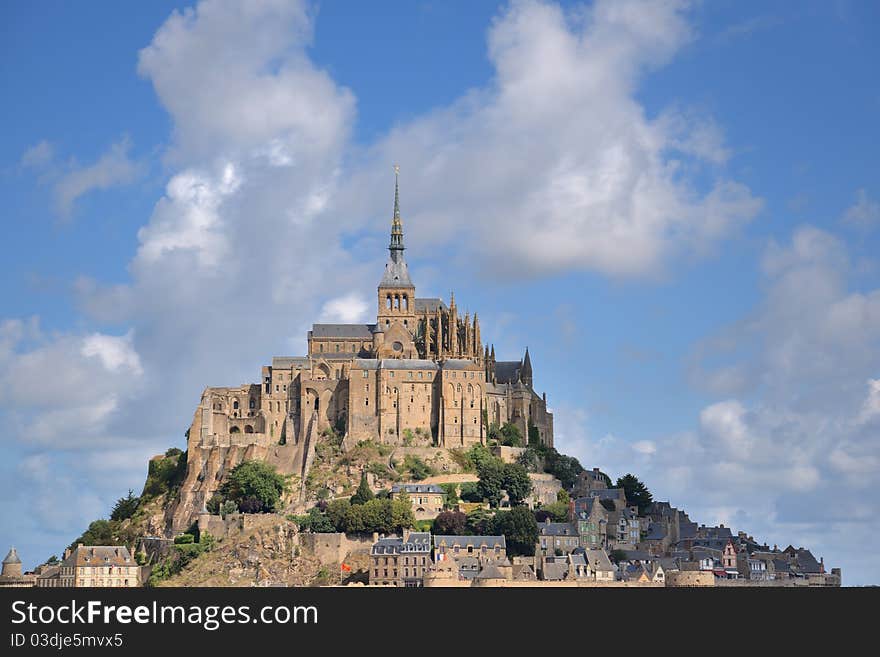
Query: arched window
(248, 428)
(458, 388)
(233, 430)
(252, 403)
(405, 302)
(235, 404)
(388, 302)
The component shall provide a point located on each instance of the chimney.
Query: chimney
(405, 535)
(375, 537)
(67, 552)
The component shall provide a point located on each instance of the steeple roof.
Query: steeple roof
(12, 557)
(396, 271)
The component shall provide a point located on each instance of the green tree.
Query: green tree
(479, 522)
(451, 491)
(469, 491)
(99, 532)
(213, 504)
(125, 506)
(530, 460)
(565, 468)
(534, 435)
(520, 530)
(511, 436)
(491, 473)
(637, 494)
(257, 482)
(337, 512)
(516, 483)
(450, 523)
(363, 493)
(563, 496)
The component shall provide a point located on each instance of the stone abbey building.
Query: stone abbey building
(420, 374)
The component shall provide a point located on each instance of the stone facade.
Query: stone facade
(400, 561)
(94, 565)
(419, 374)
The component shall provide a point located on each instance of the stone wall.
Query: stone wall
(333, 548)
(689, 578)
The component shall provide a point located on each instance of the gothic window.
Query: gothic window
(396, 302)
(405, 303)
(458, 388)
(235, 404)
(388, 302)
(252, 403)
(470, 389)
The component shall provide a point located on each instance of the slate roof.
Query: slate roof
(656, 532)
(99, 555)
(557, 529)
(429, 304)
(555, 571)
(396, 274)
(806, 562)
(286, 362)
(359, 331)
(417, 488)
(583, 506)
(490, 571)
(637, 555)
(12, 556)
(476, 541)
(598, 560)
(416, 542)
(408, 364)
(459, 364)
(506, 370)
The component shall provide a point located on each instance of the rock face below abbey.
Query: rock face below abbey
(419, 375)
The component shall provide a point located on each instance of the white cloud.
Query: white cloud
(555, 165)
(113, 168)
(348, 308)
(38, 156)
(864, 213)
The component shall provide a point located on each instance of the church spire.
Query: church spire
(396, 223)
(396, 271)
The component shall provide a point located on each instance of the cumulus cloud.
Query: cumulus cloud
(864, 213)
(555, 165)
(348, 308)
(791, 449)
(114, 167)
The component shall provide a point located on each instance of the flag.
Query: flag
(346, 568)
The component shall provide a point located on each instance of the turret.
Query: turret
(526, 374)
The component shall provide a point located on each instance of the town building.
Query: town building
(400, 561)
(93, 565)
(427, 499)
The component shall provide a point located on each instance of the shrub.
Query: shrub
(184, 539)
(254, 485)
(125, 507)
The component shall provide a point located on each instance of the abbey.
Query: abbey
(419, 373)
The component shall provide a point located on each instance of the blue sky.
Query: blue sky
(674, 205)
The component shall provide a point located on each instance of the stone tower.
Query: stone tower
(396, 317)
(11, 564)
